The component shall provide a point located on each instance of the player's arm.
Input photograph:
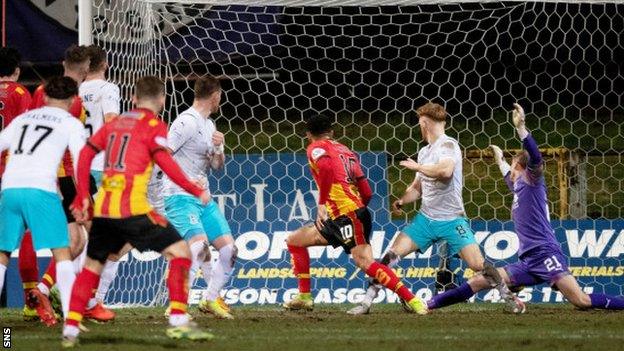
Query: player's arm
(504, 167)
(6, 135)
(361, 182)
(93, 146)
(165, 161)
(180, 132)
(535, 164)
(77, 139)
(412, 194)
(443, 170)
(217, 157)
(110, 102)
(325, 181)
(157, 146)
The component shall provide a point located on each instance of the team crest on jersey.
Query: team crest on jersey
(317, 152)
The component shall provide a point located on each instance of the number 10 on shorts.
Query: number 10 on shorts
(346, 232)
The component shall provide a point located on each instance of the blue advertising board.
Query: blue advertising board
(266, 196)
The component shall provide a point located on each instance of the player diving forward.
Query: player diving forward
(438, 183)
(122, 214)
(342, 216)
(37, 141)
(197, 146)
(541, 258)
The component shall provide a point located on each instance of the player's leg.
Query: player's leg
(465, 291)
(460, 238)
(220, 236)
(184, 213)
(11, 228)
(359, 224)
(571, 290)
(96, 311)
(67, 189)
(29, 272)
(48, 224)
(298, 243)
(108, 274)
(154, 232)
(402, 246)
(105, 237)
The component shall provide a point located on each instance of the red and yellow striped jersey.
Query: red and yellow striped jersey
(129, 142)
(14, 100)
(343, 195)
(77, 110)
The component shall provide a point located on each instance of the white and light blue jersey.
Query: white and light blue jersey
(442, 199)
(190, 139)
(37, 141)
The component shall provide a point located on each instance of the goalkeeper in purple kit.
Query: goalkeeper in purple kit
(541, 258)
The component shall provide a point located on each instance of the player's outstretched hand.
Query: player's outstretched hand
(397, 208)
(498, 153)
(205, 197)
(410, 164)
(518, 116)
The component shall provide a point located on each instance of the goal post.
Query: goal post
(369, 65)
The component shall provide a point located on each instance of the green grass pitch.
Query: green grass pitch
(481, 326)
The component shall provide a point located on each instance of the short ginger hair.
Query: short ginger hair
(433, 111)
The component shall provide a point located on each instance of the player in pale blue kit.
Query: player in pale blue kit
(541, 258)
(197, 146)
(438, 182)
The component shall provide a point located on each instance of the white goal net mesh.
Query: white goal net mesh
(369, 66)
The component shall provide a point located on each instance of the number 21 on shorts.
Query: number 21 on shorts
(552, 264)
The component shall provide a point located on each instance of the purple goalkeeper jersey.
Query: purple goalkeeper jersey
(530, 204)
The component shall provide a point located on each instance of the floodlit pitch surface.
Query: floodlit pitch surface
(327, 328)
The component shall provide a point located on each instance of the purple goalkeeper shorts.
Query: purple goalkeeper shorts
(542, 266)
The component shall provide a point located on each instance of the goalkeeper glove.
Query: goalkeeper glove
(519, 121)
(500, 160)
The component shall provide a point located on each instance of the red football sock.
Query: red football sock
(27, 262)
(49, 277)
(85, 282)
(387, 278)
(301, 266)
(177, 283)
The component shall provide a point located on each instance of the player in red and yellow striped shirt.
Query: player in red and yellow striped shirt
(132, 143)
(342, 219)
(15, 100)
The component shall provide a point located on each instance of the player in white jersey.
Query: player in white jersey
(101, 101)
(197, 146)
(439, 184)
(36, 141)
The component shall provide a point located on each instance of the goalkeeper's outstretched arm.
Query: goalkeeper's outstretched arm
(504, 167)
(535, 162)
